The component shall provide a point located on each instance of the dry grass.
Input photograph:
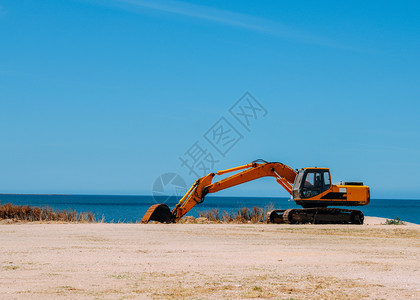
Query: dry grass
(28, 213)
(212, 215)
(243, 215)
(266, 286)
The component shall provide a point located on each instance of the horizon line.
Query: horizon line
(150, 195)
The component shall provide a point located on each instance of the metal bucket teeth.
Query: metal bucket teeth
(157, 212)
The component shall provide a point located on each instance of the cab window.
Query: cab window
(327, 182)
(315, 182)
(309, 181)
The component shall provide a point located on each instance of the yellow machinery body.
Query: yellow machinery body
(309, 187)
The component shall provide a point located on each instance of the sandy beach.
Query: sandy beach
(210, 261)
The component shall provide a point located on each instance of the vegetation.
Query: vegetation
(243, 215)
(31, 214)
(395, 221)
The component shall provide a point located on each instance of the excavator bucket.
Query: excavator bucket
(158, 212)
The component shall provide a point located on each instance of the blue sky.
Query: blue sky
(102, 97)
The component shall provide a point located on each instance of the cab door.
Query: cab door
(314, 182)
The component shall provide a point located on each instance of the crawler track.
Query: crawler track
(316, 216)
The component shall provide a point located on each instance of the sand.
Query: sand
(209, 261)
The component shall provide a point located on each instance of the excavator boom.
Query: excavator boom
(284, 175)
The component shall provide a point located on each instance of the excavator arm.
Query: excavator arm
(284, 175)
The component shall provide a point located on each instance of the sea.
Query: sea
(130, 209)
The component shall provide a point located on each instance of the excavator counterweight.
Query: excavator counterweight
(309, 187)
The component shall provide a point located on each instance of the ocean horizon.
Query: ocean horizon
(131, 208)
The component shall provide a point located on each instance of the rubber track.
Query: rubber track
(334, 216)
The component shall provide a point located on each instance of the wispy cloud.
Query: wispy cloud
(199, 12)
(225, 17)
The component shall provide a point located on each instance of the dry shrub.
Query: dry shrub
(256, 215)
(31, 214)
(228, 217)
(243, 215)
(395, 221)
(246, 215)
(211, 215)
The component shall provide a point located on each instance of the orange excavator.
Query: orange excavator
(310, 188)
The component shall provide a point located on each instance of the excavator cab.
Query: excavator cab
(313, 188)
(311, 182)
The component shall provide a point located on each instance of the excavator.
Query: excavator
(310, 188)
